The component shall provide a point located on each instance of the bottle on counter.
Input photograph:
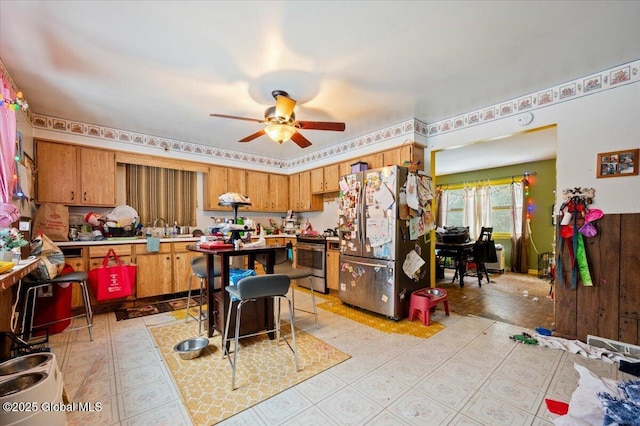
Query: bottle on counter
(176, 228)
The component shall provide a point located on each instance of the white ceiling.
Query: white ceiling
(160, 68)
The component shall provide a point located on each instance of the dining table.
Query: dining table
(459, 252)
(218, 300)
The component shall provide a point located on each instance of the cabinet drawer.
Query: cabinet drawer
(180, 247)
(142, 249)
(101, 251)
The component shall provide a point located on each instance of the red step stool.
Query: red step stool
(424, 300)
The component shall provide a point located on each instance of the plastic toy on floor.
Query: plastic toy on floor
(525, 338)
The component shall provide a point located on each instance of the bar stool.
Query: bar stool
(249, 289)
(283, 265)
(199, 270)
(32, 287)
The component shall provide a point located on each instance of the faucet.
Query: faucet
(164, 222)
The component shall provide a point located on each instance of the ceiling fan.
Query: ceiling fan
(281, 124)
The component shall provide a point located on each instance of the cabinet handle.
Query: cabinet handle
(85, 196)
(73, 195)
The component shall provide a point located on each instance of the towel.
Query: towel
(153, 244)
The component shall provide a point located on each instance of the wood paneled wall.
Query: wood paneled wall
(611, 308)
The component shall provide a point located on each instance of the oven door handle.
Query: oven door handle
(312, 247)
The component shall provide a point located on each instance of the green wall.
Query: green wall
(541, 193)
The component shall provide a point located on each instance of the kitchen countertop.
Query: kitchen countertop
(132, 240)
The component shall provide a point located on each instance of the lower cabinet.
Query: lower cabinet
(333, 269)
(154, 272)
(182, 267)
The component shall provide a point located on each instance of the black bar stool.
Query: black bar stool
(31, 291)
(199, 268)
(248, 290)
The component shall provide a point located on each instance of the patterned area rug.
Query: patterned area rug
(380, 322)
(154, 308)
(265, 369)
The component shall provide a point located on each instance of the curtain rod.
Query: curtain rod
(490, 179)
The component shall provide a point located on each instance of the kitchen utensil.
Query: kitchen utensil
(191, 348)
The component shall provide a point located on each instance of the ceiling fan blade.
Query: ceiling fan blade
(300, 140)
(321, 125)
(234, 117)
(253, 136)
(284, 106)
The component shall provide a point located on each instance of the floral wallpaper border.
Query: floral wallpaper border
(597, 82)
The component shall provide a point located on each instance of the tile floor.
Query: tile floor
(471, 373)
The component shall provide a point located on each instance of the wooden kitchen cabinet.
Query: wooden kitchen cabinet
(220, 180)
(374, 161)
(258, 191)
(74, 175)
(154, 271)
(300, 197)
(333, 268)
(279, 192)
(317, 181)
(331, 177)
(182, 268)
(410, 152)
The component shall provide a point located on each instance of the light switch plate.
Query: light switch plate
(24, 226)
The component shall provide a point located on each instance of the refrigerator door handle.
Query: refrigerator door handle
(377, 265)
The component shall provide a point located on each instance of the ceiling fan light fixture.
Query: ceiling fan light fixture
(280, 132)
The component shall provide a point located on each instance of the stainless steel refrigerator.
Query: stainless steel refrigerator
(375, 241)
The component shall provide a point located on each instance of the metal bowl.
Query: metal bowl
(23, 363)
(19, 383)
(435, 292)
(191, 348)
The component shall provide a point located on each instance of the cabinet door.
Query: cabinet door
(294, 192)
(154, 275)
(333, 267)
(374, 161)
(331, 176)
(345, 168)
(237, 181)
(98, 177)
(258, 190)
(317, 181)
(279, 192)
(182, 272)
(305, 192)
(57, 178)
(215, 183)
(407, 153)
(78, 264)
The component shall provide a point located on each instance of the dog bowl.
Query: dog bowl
(435, 292)
(191, 348)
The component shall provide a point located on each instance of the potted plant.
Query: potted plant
(10, 239)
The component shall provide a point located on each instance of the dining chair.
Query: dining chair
(484, 251)
(199, 270)
(249, 289)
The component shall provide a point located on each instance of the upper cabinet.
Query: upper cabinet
(220, 180)
(300, 197)
(268, 192)
(325, 179)
(74, 175)
(411, 153)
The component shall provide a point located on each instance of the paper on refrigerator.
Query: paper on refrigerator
(412, 264)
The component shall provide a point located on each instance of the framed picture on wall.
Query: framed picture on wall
(618, 163)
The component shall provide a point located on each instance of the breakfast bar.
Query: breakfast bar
(218, 300)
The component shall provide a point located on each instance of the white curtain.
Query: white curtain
(520, 230)
(516, 209)
(483, 209)
(442, 202)
(470, 211)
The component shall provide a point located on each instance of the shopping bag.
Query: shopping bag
(51, 258)
(112, 281)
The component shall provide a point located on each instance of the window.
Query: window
(455, 208)
(501, 209)
(162, 193)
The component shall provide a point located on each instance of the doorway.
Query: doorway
(509, 297)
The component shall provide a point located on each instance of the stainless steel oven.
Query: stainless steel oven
(311, 253)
